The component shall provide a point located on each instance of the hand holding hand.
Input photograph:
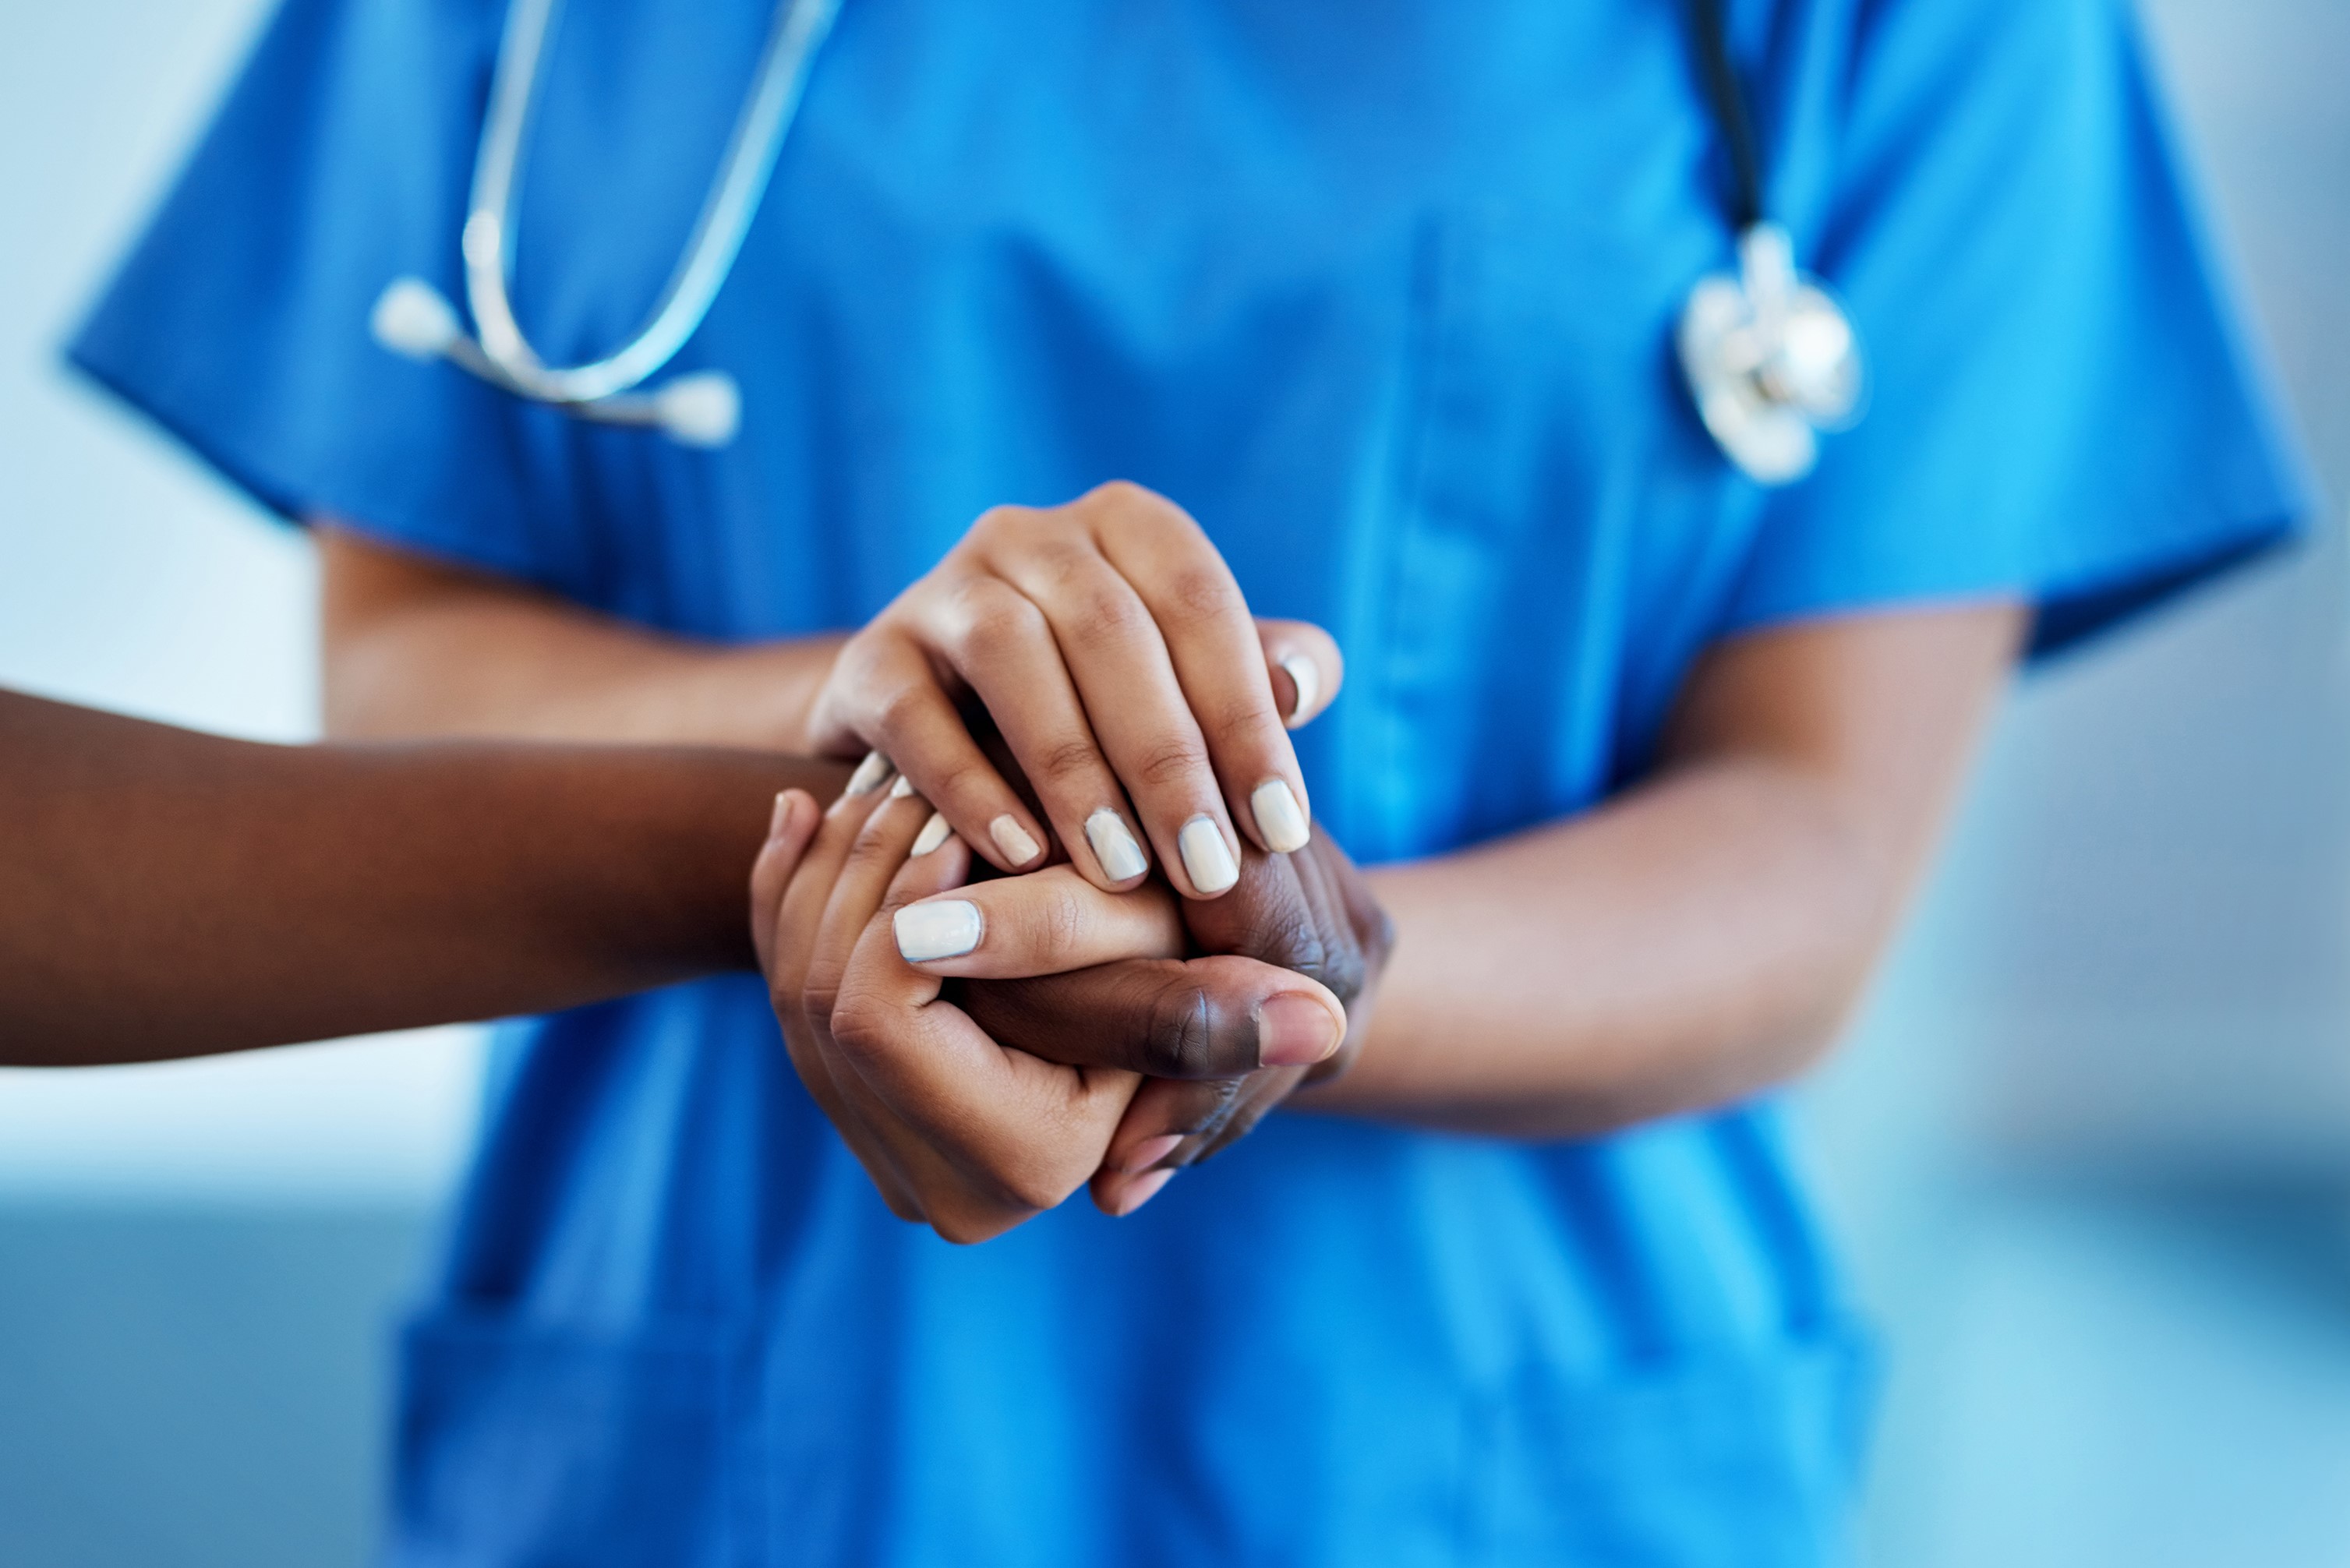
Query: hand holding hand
(1108, 641)
(1213, 1069)
(859, 935)
(955, 1130)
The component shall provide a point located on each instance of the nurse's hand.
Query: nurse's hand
(1214, 1065)
(1110, 642)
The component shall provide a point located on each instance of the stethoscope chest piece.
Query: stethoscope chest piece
(1772, 360)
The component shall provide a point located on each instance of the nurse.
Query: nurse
(1642, 757)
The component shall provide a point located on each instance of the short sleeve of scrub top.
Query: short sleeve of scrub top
(1384, 294)
(2037, 288)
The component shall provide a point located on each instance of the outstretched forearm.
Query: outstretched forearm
(169, 894)
(1702, 936)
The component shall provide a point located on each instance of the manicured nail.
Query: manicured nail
(1142, 1190)
(1152, 1150)
(782, 810)
(1293, 1030)
(1014, 840)
(1307, 678)
(934, 833)
(938, 928)
(1277, 818)
(902, 788)
(1206, 855)
(1114, 846)
(868, 774)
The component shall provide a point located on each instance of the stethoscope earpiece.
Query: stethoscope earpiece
(414, 319)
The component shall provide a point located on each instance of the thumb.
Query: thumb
(1215, 1017)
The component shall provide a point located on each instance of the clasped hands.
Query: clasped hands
(982, 979)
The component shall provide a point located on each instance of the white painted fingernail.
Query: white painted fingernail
(868, 774)
(1114, 846)
(938, 928)
(1307, 677)
(1206, 855)
(1277, 818)
(1014, 840)
(934, 833)
(902, 788)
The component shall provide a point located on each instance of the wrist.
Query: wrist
(773, 689)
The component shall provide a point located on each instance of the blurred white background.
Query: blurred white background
(2090, 1145)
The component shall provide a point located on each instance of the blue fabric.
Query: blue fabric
(1382, 291)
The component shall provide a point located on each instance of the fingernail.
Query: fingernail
(902, 788)
(868, 774)
(934, 833)
(1014, 840)
(1306, 676)
(1277, 818)
(783, 809)
(1142, 1190)
(1152, 1150)
(1293, 1030)
(1206, 855)
(1114, 846)
(938, 928)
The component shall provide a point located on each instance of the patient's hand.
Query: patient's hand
(1216, 1060)
(958, 1129)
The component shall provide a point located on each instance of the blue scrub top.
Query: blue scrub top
(1382, 291)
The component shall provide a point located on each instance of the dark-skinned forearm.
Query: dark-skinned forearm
(169, 894)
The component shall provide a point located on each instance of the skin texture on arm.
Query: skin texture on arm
(1704, 935)
(170, 894)
(414, 648)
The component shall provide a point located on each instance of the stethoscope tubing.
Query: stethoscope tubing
(1764, 414)
(793, 40)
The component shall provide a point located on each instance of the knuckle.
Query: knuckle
(897, 708)
(820, 1000)
(1130, 507)
(963, 1225)
(1069, 761)
(1107, 616)
(1179, 1041)
(1061, 561)
(1060, 928)
(1241, 717)
(1035, 1186)
(998, 523)
(972, 783)
(1293, 942)
(1343, 971)
(857, 1020)
(997, 622)
(1125, 496)
(1169, 763)
(1203, 593)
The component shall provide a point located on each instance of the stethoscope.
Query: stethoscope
(1771, 358)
